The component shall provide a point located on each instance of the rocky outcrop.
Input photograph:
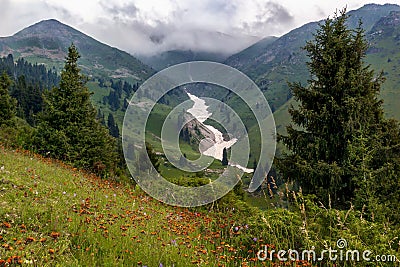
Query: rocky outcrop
(200, 134)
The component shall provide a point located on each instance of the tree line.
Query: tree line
(66, 125)
(28, 82)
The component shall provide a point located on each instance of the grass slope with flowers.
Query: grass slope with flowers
(54, 215)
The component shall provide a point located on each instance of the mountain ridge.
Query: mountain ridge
(47, 42)
(283, 60)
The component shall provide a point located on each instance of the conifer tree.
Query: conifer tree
(112, 126)
(339, 105)
(7, 103)
(68, 128)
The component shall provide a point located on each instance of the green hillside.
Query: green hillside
(384, 55)
(54, 215)
(46, 42)
(282, 61)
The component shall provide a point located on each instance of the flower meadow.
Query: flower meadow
(54, 215)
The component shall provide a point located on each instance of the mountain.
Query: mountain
(272, 62)
(198, 45)
(245, 56)
(47, 42)
(169, 58)
(384, 55)
(275, 63)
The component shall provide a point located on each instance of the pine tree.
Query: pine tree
(112, 126)
(7, 104)
(68, 128)
(224, 157)
(29, 99)
(339, 104)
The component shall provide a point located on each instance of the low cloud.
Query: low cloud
(270, 18)
(152, 26)
(190, 25)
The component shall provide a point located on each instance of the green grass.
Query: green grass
(51, 214)
(54, 215)
(97, 92)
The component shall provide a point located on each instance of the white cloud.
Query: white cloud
(144, 26)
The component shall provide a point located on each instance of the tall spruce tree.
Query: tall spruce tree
(7, 104)
(339, 107)
(68, 128)
(112, 126)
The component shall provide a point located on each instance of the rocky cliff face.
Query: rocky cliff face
(200, 134)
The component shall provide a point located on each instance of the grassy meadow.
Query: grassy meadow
(54, 215)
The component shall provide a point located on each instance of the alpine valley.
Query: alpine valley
(68, 196)
(271, 62)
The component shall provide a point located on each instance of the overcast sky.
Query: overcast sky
(146, 26)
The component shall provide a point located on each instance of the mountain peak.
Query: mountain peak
(46, 28)
(47, 42)
(50, 21)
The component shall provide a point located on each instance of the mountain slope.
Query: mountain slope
(283, 60)
(169, 58)
(245, 56)
(384, 55)
(55, 215)
(47, 41)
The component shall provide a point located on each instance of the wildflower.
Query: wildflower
(173, 242)
(74, 194)
(64, 193)
(255, 239)
(30, 239)
(55, 235)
